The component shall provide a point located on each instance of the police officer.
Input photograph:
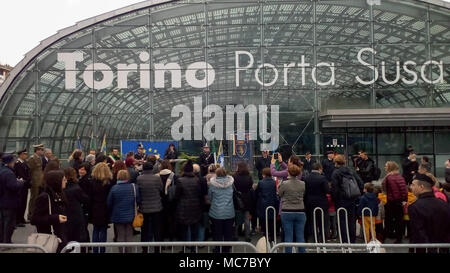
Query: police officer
(22, 172)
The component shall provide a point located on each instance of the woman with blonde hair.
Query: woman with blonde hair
(99, 216)
(394, 185)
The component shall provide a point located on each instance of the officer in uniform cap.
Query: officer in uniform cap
(22, 172)
(35, 164)
(206, 159)
(140, 154)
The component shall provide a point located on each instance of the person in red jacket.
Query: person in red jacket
(394, 186)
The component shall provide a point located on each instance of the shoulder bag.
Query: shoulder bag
(49, 242)
(138, 220)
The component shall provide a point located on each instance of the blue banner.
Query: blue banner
(242, 151)
(151, 147)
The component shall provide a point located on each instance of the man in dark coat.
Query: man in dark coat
(10, 188)
(328, 165)
(261, 163)
(365, 167)
(410, 168)
(206, 159)
(338, 195)
(23, 172)
(316, 190)
(429, 216)
(308, 163)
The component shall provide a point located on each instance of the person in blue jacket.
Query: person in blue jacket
(369, 200)
(266, 196)
(122, 202)
(10, 189)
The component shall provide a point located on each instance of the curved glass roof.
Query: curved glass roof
(36, 107)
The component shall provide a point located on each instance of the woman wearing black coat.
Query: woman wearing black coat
(99, 214)
(76, 198)
(244, 183)
(316, 197)
(56, 221)
(189, 203)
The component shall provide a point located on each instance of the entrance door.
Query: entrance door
(334, 142)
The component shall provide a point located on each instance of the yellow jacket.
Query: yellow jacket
(411, 199)
(382, 197)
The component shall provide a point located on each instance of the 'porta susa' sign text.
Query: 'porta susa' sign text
(408, 73)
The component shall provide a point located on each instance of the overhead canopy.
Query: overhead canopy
(36, 106)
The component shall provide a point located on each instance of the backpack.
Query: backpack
(376, 173)
(350, 187)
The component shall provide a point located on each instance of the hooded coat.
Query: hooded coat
(220, 194)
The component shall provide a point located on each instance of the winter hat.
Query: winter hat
(7, 158)
(424, 178)
(188, 167)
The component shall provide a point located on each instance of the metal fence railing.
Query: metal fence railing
(363, 248)
(163, 247)
(21, 248)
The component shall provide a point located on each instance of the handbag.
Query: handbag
(49, 242)
(237, 199)
(138, 220)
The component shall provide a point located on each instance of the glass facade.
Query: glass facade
(37, 106)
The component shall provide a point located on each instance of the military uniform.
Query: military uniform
(22, 171)
(35, 164)
(206, 159)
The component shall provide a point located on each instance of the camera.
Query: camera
(275, 156)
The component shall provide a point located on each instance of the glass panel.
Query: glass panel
(422, 142)
(440, 165)
(391, 143)
(442, 145)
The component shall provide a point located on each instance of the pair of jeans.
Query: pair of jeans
(294, 222)
(222, 231)
(202, 227)
(394, 219)
(151, 229)
(350, 206)
(242, 217)
(7, 224)
(99, 236)
(189, 232)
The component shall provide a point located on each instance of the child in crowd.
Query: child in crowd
(368, 200)
(379, 219)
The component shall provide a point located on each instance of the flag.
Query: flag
(103, 148)
(213, 150)
(92, 144)
(220, 156)
(79, 143)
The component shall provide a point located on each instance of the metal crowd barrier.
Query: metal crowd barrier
(323, 226)
(165, 247)
(364, 248)
(274, 227)
(346, 225)
(21, 248)
(372, 229)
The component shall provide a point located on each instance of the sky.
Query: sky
(41, 19)
(33, 21)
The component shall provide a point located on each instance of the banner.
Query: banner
(151, 147)
(242, 151)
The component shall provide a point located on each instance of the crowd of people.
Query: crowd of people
(203, 201)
